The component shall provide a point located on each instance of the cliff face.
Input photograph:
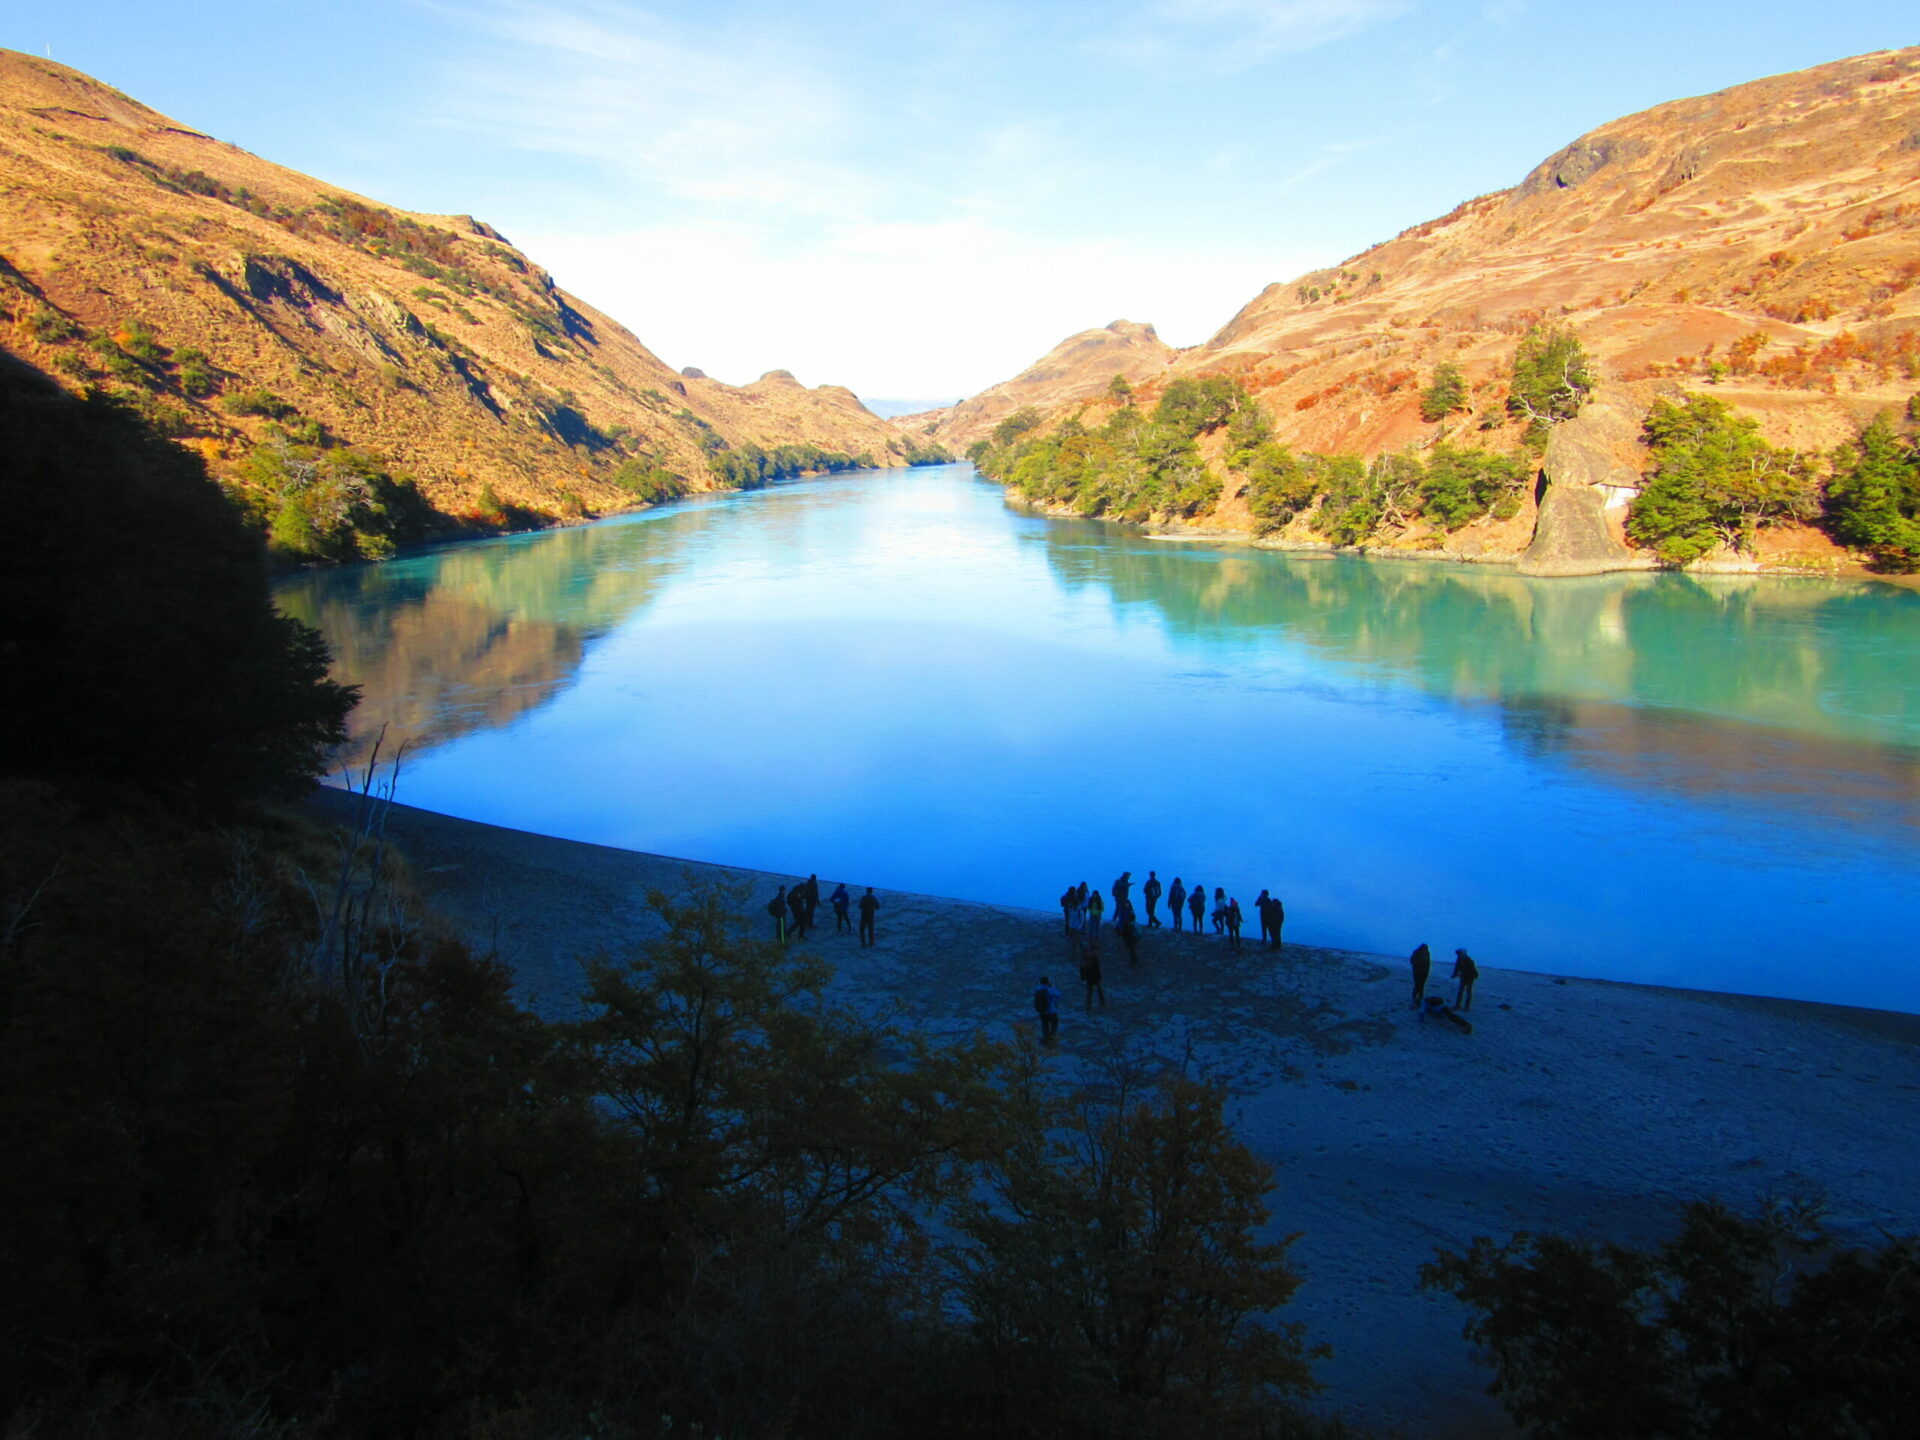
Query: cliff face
(139, 255)
(1764, 240)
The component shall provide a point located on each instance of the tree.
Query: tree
(1714, 481)
(1194, 406)
(1551, 378)
(1446, 393)
(1021, 422)
(1462, 485)
(1113, 1269)
(1121, 389)
(1873, 497)
(139, 644)
(1736, 1329)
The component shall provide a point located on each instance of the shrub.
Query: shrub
(255, 401)
(648, 481)
(1446, 393)
(1873, 496)
(1551, 378)
(1713, 481)
(1462, 485)
(1121, 389)
(51, 327)
(195, 372)
(1195, 406)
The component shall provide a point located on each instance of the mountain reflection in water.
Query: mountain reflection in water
(898, 679)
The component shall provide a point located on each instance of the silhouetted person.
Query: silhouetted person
(777, 908)
(1276, 919)
(1177, 901)
(811, 893)
(1122, 888)
(1129, 932)
(797, 903)
(1150, 892)
(1046, 1004)
(1466, 972)
(1233, 922)
(1197, 905)
(1266, 919)
(1422, 962)
(1219, 909)
(1096, 906)
(868, 904)
(1123, 910)
(1069, 898)
(1090, 973)
(842, 925)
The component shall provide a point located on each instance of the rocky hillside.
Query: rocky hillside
(277, 323)
(1761, 244)
(1080, 368)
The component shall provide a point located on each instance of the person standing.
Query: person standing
(1177, 902)
(1129, 932)
(1422, 962)
(1080, 906)
(1046, 1004)
(797, 904)
(868, 905)
(1233, 922)
(842, 925)
(777, 908)
(1122, 888)
(1095, 908)
(812, 892)
(1197, 904)
(1150, 892)
(1276, 918)
(1466, 972)
(1090, 973)
(1266, 921)
(1219, 909)
(1069, 898)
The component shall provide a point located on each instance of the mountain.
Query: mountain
(1080, 367)
(1761, 244)
(272, 321)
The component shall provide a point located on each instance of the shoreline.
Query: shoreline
(1592, 1107)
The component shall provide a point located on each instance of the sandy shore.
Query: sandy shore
(1576, 1105)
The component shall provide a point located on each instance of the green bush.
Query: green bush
(256, 401)
(1193, 407)
(648, 481)
(1873, 496)
(51, 327)
(1551, 379)
(1462, 485)
(1446, 393)
(1713, 481)
(195, 372)
(333, 506)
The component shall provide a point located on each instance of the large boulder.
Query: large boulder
(1592, 469)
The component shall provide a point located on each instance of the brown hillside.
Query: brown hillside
(1765, 240)
(429, 341)
(1079, 368)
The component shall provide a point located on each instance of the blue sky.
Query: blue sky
(919, 200)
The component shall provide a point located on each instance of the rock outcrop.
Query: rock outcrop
(1591, 472)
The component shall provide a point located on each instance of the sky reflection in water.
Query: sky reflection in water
(895, 679)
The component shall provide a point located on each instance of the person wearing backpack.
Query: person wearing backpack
(777, 908)
(1046, 1004)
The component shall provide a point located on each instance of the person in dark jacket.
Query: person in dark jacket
(1466, 972)
(1069, 900)
(1122, 888)
(842, 925)
(1129, 932)
(1046, 1003)
(777, 908)
(869, 903)
(797, 903)
(1266, 920)
(1219, 909)
(1422, 962)
(1090, 973)
(1177, 901)
(1233, 922)
(1150, 892)
(811, 892)
(1276, 919)
(1197, 905)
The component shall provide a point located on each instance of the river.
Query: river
(896, 679)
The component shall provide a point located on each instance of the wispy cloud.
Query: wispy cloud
(1233, 35)
(726, 117)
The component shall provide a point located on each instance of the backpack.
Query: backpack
(1040, 1001)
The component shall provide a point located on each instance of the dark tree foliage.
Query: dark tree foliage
(1192, 407)
(1873, 497)
(1736, 1329)
(138, 642)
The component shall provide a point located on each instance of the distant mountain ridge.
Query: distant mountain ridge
(1762, 242)
(238, 302)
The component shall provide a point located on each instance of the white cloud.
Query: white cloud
(1234, 35)
(893, 309)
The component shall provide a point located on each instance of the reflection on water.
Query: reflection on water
(898, 679)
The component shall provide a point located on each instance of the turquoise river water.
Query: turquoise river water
(896, 679)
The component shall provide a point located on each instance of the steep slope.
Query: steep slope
(238, 302)
(1764, 240)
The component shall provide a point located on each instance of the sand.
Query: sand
(1576, 1105)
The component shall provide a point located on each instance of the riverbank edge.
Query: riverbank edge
(1852, 572)
(429, 836)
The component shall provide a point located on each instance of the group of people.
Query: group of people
(794, 907)
(1465, 972)
(1082, 911)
